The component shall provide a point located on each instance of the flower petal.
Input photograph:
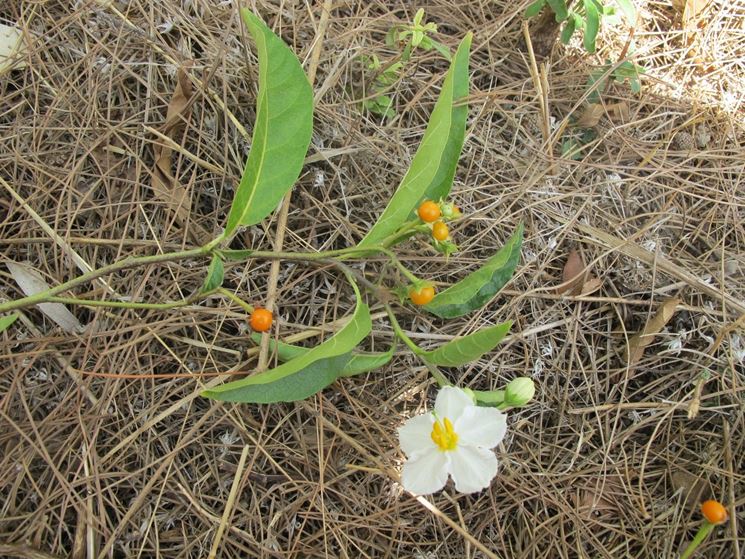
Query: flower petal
(415, 435)
(472, 468)
(426, 472)
(451, 402)
(484, 427)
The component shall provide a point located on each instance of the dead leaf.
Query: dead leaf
(31, 282)
(591, 116)
(691, 21)
(692, 9)
(572, 278)
(165, 186)
(619, 112)
(591, 286)
(692, 487)
(11, 47)
(591, 504)
(654, 326)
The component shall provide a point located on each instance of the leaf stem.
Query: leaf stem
(404, 232)
(403, 269)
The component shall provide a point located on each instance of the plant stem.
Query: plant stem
(437, 375)
(351, 252)
(125, 304)
(400, 333)
(434, 371)
(129, 262)
(700, 536)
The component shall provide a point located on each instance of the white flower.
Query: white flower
(456, 439)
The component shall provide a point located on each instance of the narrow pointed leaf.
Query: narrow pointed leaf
(6, 321)
(560, 9)
(284, 122)
(359, 362)
(433, 167)
(301, 384)
(568, 31)
(468, 348)
(364, 362)
(285, 352)
(534, 9)
(316, 369)
(592, 25)
(476, 289)
(215, 275)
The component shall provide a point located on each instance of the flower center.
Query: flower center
(443, 435)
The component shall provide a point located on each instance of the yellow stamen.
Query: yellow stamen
(443, 435)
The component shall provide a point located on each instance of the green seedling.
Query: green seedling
(585, 16)
(408, 38)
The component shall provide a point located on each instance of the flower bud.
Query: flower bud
(519, 392)
(490, 398)
(449, 211)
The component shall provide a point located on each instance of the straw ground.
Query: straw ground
(610, 459)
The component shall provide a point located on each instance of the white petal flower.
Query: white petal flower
(454, 440)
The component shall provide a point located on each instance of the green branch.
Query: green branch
(129, 262)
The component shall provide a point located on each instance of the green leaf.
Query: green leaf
(534, 9)
(443, 50)
(309, 380)
(6, 321)
(418, 16)
(560, 9)
(426, 43)
(416, 37)
(592, 25)
(468, 348)
(571, 149)
(285, 352)
(596, 84)
(364, 362)
(433, 167)
(391, 38)
(628, 9)
(215, 275)
(568, 31)
(284, 123)
(476, 289)
(359, 362)
(305, 374)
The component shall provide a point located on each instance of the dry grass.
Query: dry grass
(598, 467)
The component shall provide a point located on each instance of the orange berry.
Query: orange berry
(261, 320)
(440, 231)
(714, 512)
(421, 296)
(429, 211)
